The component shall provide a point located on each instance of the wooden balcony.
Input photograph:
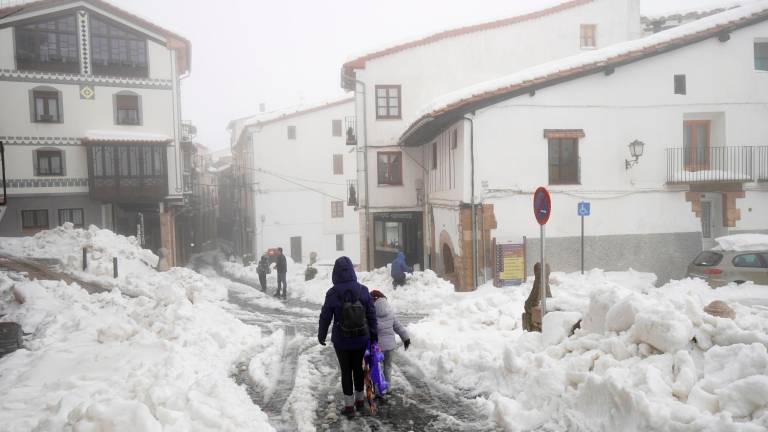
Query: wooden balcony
(127, 173)
(730, 164)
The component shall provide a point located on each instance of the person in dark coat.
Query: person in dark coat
(534, 298)
(399, 268)
(282, 268)
(263, 270)
(349, 350)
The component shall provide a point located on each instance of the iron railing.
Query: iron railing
(712, 164)
(350, 130)
(761, 159)
(353, 195)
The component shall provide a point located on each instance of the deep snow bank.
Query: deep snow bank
(158, 361)
(645, 358)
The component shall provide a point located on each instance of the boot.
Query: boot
(359, 401)
(348, 411)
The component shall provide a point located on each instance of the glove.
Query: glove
(406, 344)
(322, 342)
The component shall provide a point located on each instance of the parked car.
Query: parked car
(721, 267)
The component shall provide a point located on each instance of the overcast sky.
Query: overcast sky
(283, 52)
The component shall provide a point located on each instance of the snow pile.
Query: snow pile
(743, 242)
(160, 361)
(66, 244)
(644, 358)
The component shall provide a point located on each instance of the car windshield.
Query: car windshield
(708, 259)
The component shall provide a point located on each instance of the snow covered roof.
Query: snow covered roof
(663, 8)
(238, 126)
(360, 62)
(180, 44)
(449, 107)
(123, 136)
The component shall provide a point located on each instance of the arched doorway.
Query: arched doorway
(447, 259)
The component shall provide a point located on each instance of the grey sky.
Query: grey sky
(284, 52)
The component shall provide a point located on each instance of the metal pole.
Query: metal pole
(85, 259)
(582, 244)
(368, 258)
(472, 200)
(544, 280)
(114, 267)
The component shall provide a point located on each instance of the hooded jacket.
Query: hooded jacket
(399, 267)
(345, 281)
(388, 325)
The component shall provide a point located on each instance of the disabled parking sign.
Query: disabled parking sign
(583, 208)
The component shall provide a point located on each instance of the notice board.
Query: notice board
(510, 264)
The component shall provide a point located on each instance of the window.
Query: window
(708, 259)
(388, 102)
(49, 163)
(46, 106)
(49, 45)
(563, 161)
(337, 209)
(74, 216)
(588, 36)
(748, 260)
(761, 55)
(680, 84)
(336, 128)
(292, 132)
(127, 111)
(338, 164)
(34, 219)
(339, 242)
(434, 155)
(127, 161)
(389, 235)
(390, 168)
(696, 144)
(454, 139)
(116, 50)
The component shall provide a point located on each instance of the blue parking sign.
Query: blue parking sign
(583, 208)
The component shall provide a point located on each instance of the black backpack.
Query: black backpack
(353, 322)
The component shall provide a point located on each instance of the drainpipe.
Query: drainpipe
(472, 199)
(366, 207)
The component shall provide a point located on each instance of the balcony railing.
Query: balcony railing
(717, 164)
(350, 128)
(353, 197)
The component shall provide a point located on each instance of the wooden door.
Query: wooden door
(696, 136)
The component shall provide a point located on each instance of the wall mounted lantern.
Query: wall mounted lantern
(636, 150)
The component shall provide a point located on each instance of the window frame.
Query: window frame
(48, 153)
(71, 212)
(291, 132)
(577, 169)
(115, 66)
(339, 242)
(681, 84)
(337, 209)
(46, 93)
(338, 164)
(387, 106)
(37, 224)
(381, 181)
(587, 33)
(116, 108)
(20, 33)
(764, 66)
(337, 128)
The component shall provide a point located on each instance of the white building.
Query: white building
(298, 170)
(90, 119)
(696, 96)
(393, 84)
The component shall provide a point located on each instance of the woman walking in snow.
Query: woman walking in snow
(388, 325)
(350, 307)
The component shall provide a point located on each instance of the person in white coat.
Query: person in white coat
(388, 325)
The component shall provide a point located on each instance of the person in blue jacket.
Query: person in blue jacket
(399, 268)
(349, 350)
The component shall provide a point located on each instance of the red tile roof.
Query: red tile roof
(360, 62)
(178, 43)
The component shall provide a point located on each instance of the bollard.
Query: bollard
(85, 259)
(114, 267)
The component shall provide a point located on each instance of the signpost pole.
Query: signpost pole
(582, 244)
(544, 278)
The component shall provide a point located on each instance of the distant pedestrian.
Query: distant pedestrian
(387, 326)
(349, 306)
(399, 268)
(282, 269)
(263, 270)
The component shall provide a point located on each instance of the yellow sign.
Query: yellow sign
(510, 264)
(87, 92)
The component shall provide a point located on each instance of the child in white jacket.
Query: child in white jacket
(388, 325)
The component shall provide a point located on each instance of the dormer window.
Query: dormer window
(48, 45)
(116, 50)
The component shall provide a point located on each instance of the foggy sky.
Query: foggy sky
(245, 52)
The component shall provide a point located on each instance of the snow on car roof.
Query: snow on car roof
(742, 242)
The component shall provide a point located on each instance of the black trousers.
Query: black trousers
(398, 281)
(281, 283)
(351, 364)
(263, 281)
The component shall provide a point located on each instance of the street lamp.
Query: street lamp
(636, 150)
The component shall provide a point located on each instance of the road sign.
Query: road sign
(542, 205)
(583, 208)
